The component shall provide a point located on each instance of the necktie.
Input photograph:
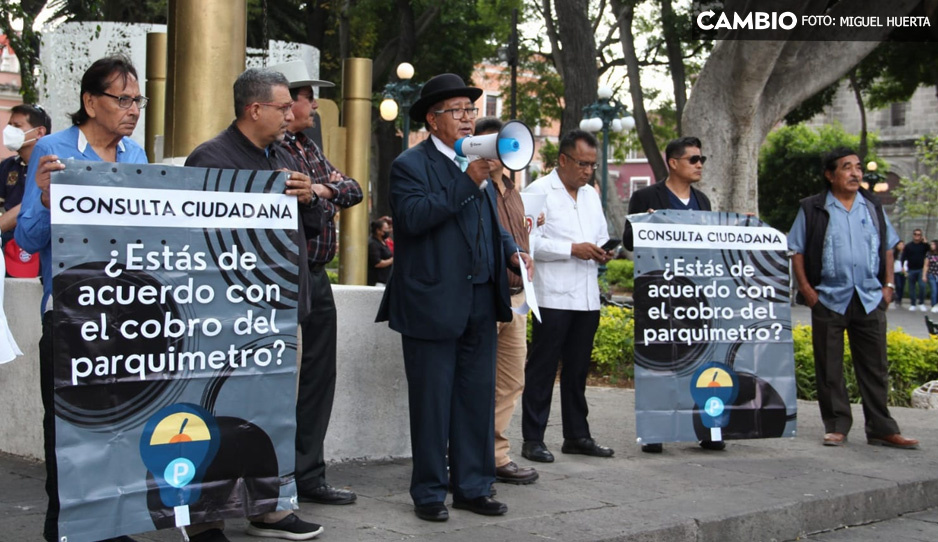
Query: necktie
(462, 162)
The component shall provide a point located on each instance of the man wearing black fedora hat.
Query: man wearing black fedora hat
(445, 297)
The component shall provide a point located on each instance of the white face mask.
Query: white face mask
(14, 138)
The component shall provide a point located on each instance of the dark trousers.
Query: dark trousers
(916, 287)
(47, 390)
(900, 288)
(867, 334)
(560, 335)
(451, 391)
(317, 383)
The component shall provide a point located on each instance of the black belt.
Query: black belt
(516, 291)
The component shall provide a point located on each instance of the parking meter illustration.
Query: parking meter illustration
(714, 386)
(177, 445)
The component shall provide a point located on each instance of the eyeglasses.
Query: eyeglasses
(459, 113)
(283, 108)
(124, 101)
(694, 159)
(580, 163)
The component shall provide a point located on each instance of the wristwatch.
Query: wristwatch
(890, 285)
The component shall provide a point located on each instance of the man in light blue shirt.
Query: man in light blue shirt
(843, 262)
(100, 132)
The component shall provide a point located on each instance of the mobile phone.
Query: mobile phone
(611, 244)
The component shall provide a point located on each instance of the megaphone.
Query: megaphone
(513, 145)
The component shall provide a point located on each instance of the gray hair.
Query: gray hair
(256, 85)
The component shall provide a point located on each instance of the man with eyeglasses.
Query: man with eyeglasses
(447, 291)
(676, 192)
(100, 132)
(335, 191)
(263, 111)
(568, 251)
(28, 123)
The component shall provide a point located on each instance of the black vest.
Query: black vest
(816, 218)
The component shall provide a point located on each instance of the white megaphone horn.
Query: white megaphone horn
(513, 145)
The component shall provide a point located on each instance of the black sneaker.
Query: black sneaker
(288, 528)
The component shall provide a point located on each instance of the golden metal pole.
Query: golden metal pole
(156, 91)
(207, 42)
(353, 240)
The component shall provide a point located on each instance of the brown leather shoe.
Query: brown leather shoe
(893, 441)
(835, 439)
(511, 473)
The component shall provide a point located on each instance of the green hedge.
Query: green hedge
(619, 274)
(912, 361)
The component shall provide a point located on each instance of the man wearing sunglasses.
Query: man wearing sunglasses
(676, 192)
(685, 167)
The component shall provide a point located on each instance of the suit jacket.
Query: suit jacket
(655, 197)
(428, 294)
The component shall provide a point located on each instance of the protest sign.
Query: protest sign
(714, 354)
(174, 309)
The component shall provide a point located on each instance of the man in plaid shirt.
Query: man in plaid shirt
(334, 191)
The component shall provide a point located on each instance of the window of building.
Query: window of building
(491, 105)
(637, 183)
(897, 113)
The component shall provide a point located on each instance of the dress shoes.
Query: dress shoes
(893, 441)
(326, 494)
(536, 451)
(486, 506)
(653, 448)
(585, 446)
(434, 511)
(513, 474)
(715, 445)
(835, 439)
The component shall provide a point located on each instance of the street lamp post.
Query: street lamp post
(874, 181)
(602, 115)
(398, 97)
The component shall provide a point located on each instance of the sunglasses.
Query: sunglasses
(695, 159)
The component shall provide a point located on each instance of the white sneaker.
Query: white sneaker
(935, 308)
(912, 308)
(922, 307)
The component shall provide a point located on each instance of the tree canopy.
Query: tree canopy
(790, 168)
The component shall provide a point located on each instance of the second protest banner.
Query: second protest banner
(713, 345)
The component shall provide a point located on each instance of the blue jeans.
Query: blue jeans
(900, 288)
(914, 279)
(933, 284)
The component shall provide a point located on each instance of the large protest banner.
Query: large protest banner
(174, 299)
(714, 355)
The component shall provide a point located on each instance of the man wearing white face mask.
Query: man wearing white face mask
(27, 124)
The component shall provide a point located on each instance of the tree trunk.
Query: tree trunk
(675, 59)
(625, 15)
(855, 86)
(575, 60)
(747, 87)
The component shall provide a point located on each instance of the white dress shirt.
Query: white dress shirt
(563, 281)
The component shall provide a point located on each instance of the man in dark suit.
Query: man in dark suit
(685, 167)
(445, 296)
